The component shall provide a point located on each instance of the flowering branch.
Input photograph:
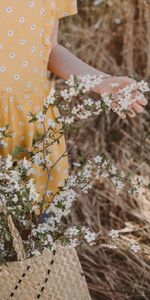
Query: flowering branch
(19, 196)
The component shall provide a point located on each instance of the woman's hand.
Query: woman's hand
(63, 64)
(113, 84)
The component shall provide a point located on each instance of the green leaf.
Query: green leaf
(18, 150)
(7, 236)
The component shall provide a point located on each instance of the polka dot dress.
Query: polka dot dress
(25, 46)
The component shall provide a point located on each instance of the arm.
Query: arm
(63, 64)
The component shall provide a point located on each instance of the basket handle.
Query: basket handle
(17, 240)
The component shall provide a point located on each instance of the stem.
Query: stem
(49, 172)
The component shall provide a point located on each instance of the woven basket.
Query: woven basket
(55, 275)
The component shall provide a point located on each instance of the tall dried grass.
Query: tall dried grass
(115, 38)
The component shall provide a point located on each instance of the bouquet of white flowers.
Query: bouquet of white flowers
(23, 232)
(28, 227)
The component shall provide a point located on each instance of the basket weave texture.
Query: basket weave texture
(56, 275)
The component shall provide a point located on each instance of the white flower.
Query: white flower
(113, 170)
(51, 123)
(69, 120)
(3, 128)
(41, 117)
(38, 159)
(65, 94)
(71, 80)
(49, 163)
(72, 92)
(72, 231)
(143, 86)
(14, 176)
(85, 115)
(66, 198)
(15, 199)
(26, 163)
(114, 234)
(1, 176)
(98, 159)
(89, 81)
(87, 171)
(124, 103)
(33, 194)
(107, 99)
(73, 243)
(134, 246)
(75, 109)
(31, 171)
(117, 183)
(8, 161)
(35, 252)
(89, 236)
(50, 238)
(50, 101)
(71, 181)
(89, 102)
(4, 143)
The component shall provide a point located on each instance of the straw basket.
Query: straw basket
(55, 275)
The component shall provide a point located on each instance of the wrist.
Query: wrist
(101, 87)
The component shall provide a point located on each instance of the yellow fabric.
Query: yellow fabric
(64, 8)
(25, 45)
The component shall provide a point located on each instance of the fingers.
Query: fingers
(126, 81)
(139, 98)
(137, 108)
(123, 116)
(143, 101)
(131, 114)
(140, 101)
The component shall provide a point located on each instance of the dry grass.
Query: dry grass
(114, 37)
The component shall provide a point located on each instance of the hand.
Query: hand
(113, 84)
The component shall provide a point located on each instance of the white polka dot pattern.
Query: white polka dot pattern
(25, 45)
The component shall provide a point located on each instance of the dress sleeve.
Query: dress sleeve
(64, 8)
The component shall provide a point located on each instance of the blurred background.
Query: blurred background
(114, 36)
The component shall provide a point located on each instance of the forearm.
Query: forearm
(63, 64)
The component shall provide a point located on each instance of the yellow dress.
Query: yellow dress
(25, 46)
